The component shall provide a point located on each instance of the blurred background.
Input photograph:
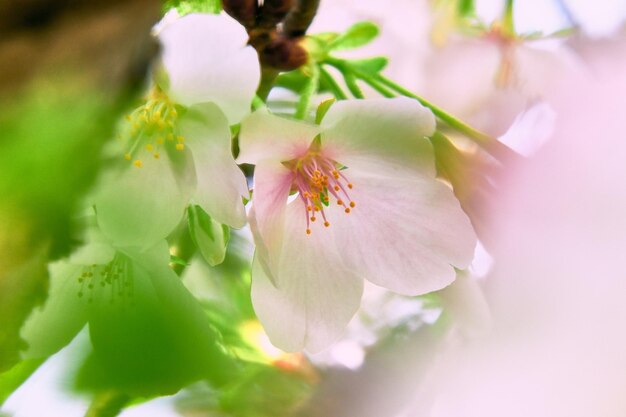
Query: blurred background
(535, 327)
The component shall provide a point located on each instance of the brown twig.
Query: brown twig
(300, 17)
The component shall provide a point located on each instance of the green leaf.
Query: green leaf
(210, 237)
(356, 36)
(50, 154)
(295, 81)
(370, 66)
(13, 378)
(322, 109)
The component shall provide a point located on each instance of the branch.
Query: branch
(300, 17)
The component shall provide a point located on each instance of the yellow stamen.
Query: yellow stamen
(138, 163)
(127, 156)
(180, 146)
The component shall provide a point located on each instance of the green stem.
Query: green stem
(508, 22)
(335, 89)
(310, 90)
(479, 137)
(268, 76)
(350, 80)
(257, 103)
(379, 88)
(386, 87)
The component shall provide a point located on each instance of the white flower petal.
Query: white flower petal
(220, 182)
(385, 129)
(207, 60)
(62, 316)
(140, 206)
(96, 250)
(153, 337)
(317, 295)
(272, 183)
(406, 232)
(266, 136)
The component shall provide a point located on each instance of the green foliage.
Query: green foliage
(262, 391)
(322, 109)
(193, 6)
(50, 155)
(295, 80)
(321, 45)
(370, 65)
(357, 35)
(224, 290)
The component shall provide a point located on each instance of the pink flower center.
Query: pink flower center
(317, 179)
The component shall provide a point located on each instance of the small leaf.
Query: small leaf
(356, 36)
(209, 236)
(322, 109)
(370, 66)
(295, 81)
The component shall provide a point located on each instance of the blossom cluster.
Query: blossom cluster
(347, 196)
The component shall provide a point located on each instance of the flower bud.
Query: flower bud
(284, 54)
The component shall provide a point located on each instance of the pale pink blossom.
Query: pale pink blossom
(365, 204)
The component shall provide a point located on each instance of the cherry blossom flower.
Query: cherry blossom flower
(364, 204)
(177, 145)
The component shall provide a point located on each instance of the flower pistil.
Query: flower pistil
(153, 128)
(316, 178)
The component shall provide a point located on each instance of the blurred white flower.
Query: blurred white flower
(557, 288)
(179, 141)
